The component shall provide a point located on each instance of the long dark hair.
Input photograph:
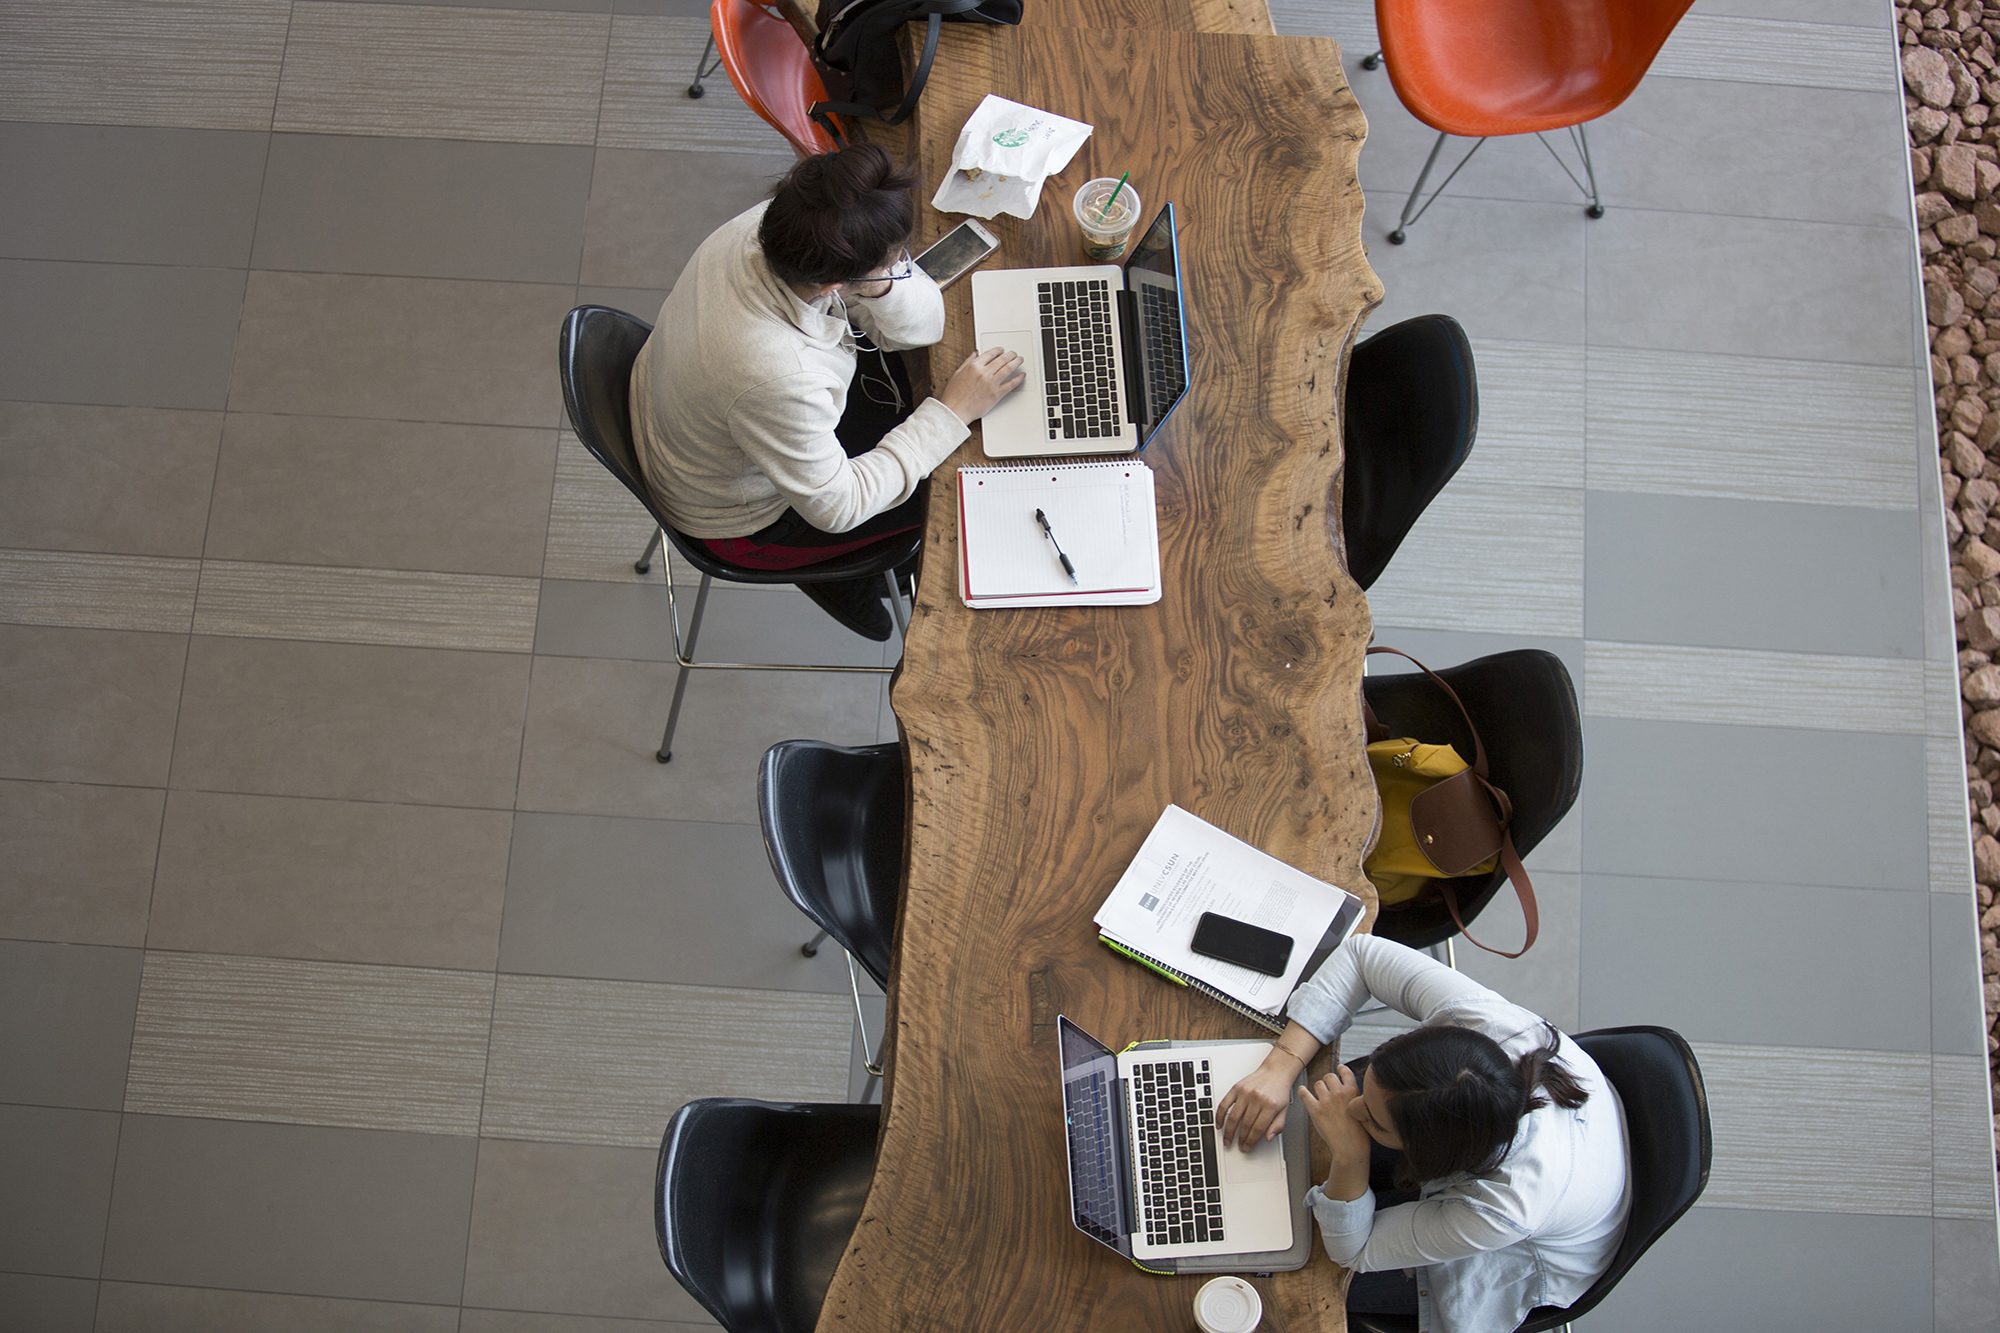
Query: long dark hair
(836, 216)
(1456, 1100)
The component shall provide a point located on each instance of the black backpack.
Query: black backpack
(857, 58)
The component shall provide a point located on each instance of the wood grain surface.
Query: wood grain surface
(1044, 743)
(1248, 16)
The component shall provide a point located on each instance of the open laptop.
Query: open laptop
(1104, 347)
(1148, 1174)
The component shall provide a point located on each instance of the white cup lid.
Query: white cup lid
(1228, 1305)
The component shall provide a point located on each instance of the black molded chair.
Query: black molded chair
(1666, 1114)
(1524, 705)
(833, 822)
(755, 1202)
(1412, 410)
(596, 350)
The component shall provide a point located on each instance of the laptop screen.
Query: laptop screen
(1153, 276)
(1094, 1122)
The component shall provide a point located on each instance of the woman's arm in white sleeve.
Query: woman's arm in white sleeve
(1359, 1236)
(1406, 980)
(910, 314)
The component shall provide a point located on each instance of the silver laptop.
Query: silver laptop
(1104, 346)
(1148, 1175)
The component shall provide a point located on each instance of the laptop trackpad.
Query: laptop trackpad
(1266, 1161)
(1018, 419)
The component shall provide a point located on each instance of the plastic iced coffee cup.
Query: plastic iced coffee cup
(1227, 1305)
(1105, 232)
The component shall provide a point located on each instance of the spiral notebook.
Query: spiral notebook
(1101, 516)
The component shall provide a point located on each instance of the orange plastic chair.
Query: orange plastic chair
(1481, 68)
(771, 68)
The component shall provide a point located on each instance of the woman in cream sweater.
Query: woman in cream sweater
(767, 427)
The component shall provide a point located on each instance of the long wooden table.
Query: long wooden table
(1044, 743)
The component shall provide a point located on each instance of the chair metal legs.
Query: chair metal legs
(1581, 142)
(1586, 182)
(684, 648)
(870, 1060)
(1374, 61)
(702, 70)
(811, 947)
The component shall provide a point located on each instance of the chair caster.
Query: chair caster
(1594, 211)
(1372, 62)
(664, 755)
(696, 90)
(809, 950)
(1397, 237)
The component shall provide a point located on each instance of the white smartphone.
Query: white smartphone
(958, 252)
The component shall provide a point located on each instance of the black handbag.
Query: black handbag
(858, 61)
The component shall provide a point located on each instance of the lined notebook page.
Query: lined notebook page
(1102, 514)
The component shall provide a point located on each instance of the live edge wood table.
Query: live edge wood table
(1042, 744)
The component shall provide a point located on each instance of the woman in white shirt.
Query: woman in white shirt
(1480, 1162)
(756, 432)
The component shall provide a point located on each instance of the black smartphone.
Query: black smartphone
(1241, 943)
(961, 249)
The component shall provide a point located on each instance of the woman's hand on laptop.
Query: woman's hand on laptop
(981, 381)
(1254, 1110)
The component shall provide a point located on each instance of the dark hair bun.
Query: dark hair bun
(835, 216)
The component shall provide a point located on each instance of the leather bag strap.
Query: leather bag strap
(1517, 875)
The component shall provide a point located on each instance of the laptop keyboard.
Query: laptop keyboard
(1160, 311)
(1078, 370)
(1180, 1196)
(1096, 1197)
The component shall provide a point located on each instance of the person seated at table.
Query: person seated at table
(1480, 1166)
(767, 428)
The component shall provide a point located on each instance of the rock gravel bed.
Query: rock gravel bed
(1951, 85)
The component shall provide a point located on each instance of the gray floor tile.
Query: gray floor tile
(1757, 962)
(133, 1307)
(646, 220)
(129, 479)
(645, 302)
(597, 528)
(1962, 1178)
(427, 72)
(33, 1304)
(655, 900)
(1756, 428)
(1547, 978)
(1822, 155)
(79, 859)
(1958, 1016)
(1441, 648)
(1503, 270)
(129, 196)
(274, 1039)
(414, 349)
(691, 9)
(609, 1062)
(364, 882)
(1505, 559)
(646, 74)
(114, 62)
(66, 1023)
(1744, 574)
(594, 727)
(488, 612)
(423, 208)
(1852, 13)
(88, 705)
(55, 1173)
(565, 6)
(1686, 800)
(569, 1230)
(516, 1321)
(314, 1211)
(1967, 1276)
(1814, 1130)
(382, 494)
(1761, 50)
(1531, 413)
(126, 335)
(91, 591)
(353, 722)
(1874, 694)
(740, 624)
(1697, 282)
(1835, 1271)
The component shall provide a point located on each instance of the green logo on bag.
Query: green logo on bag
(1011, 138)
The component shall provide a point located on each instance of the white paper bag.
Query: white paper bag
(1003, 155)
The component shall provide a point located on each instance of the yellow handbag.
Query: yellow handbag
(1442, 820)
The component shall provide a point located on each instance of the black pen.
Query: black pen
(1049, 532)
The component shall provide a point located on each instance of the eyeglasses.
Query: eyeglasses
(903, 267)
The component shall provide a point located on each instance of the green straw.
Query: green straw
(1114, 196)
